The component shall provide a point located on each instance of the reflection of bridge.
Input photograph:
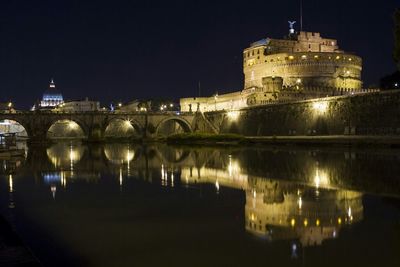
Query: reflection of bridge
(311, 209)
(94, 124)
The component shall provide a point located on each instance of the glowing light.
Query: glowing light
(9, 104)
(320, 107)
(337, 57)
(233, 115)
(320, 177)
(120, 177)
(10, 183)
(317, 222)
(291, 57)
(217, 185)
(305, 222)
(303, 57)
(316, 56)
(300, 203)
(339, 220)
(53, 190)
(292, 222)
(254, 194)
(119, 104)
(298, 81)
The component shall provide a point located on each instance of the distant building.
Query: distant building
(51, 97)
(300, 66)
(6, 107)
(79, 106)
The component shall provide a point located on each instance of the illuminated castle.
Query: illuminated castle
(51, 97)
(300, 66)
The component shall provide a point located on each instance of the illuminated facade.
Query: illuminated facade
(301, 66)
(51, 97)
(79, 106)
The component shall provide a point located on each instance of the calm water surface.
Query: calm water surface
(156, 205)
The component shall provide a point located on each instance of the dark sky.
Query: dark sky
(122, 50)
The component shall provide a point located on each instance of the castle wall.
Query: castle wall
(304, 68)
(362, 114)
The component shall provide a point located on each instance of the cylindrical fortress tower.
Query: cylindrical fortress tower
(302, 60)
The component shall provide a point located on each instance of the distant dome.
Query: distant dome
(51, 97)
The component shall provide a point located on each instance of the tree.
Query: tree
(396, 51)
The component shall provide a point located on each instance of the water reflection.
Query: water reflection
(299, 196)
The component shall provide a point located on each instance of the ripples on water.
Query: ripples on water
(125, 205)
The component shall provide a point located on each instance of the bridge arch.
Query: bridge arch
(122, 127)
(12, 125)
(67, 129)
(183, 126)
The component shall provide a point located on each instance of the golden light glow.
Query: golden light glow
(293, 222)
(291, 57)
(317, 222)
(300, 203)
(316, 56)
(9, 104)
(305, 222)
(303, 57)
(320, 107)
(339, 220)
(233, 115)
(10, 183)
(320, 178)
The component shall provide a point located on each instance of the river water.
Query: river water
(158, 205)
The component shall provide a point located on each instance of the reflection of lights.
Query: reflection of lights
(10, 183)
(320, 178)
(53, 189)
(300, 203)
(252, 217)
(254, 193)
(217, 185)
(349, 212)
(339, 220)
(172, 179)
(292, 222)
(120, 177)
(305, 222)
(233, 115)
(294, 250)
(320, 107)
(233, 166)
(317, 222)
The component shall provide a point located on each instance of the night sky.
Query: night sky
(123, 50)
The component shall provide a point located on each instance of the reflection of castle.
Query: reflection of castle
(282, 210)
(301, 66)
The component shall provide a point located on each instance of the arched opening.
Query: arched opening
(65, 129)
(64, 155)
(173, 126)
(120, 128)
(11, 127)
(119, 154)
(172, 155)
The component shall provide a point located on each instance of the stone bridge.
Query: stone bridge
(94, 124)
